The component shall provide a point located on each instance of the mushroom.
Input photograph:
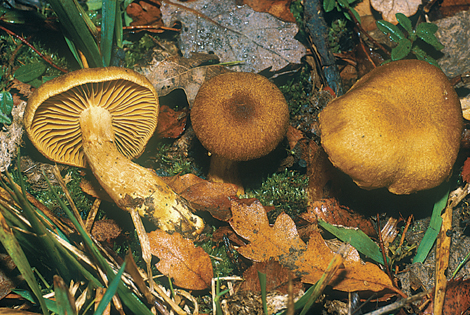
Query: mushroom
(398, 127)
(238, 116)
(102, 118)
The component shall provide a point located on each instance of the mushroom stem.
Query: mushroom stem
(222, 170)
(130, 185)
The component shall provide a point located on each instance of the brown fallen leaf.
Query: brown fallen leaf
(145, 13)
(282, 242)
(322, 175)
(105, 230)
(466, 170)
(277, 8)
(205, 195)
(171, 124)
(277, 278)
(24, 89)
(457, 298)
(451, 7)
(190, 267)
(329, 210)
(356, 275)
(251, 222)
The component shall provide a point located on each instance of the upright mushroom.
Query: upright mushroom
(398, 127)
(238, 116)
(101, 118)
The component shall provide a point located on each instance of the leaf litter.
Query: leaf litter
(235, 34)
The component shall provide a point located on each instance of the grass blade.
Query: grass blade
(434, 226)
(108, 22)
(129, 299)
(65, 302)
(15, 251)
(113, 286)
(77, 29)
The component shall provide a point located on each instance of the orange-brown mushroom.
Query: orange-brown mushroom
(398, 127)
(238, 117)
(101, 118)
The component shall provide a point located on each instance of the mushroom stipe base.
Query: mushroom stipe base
(131, 186)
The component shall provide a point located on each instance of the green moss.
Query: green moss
(286, 191)
(340, 36)
(223, 265)
(137, 50)
(297, 9)
(12, 58)
(297, 91)
(176, 165)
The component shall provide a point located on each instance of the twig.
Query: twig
(399, 304)
(34, 49)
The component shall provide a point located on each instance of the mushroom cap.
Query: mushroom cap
(52, 115)
(240, 116)
(398, 127)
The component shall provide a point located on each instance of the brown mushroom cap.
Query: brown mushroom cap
(398, 127)
(240, 116)
(53, 112)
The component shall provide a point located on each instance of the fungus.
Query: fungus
(398, 127)
(238, 117)
(102, 118)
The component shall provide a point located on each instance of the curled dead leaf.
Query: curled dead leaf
(189, 266)
(145, 13)
(329, 210)
(171, 124)
(205, 195)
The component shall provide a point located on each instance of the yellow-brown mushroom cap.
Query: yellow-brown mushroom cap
(53, 111)
(240, 116)
(398, 127)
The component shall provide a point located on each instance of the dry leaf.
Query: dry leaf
(205, 195)
(389, 8)
(329, 210)
(190, 267)
(24, 89)
(251, 222)
(356, 275)
(457, 300)
(235, 33)
(282, 242)
(277, 278)
(171, 124)
(168, 72)
(277, 8)
(105, 230)
(450, 7)
(465, 103)
(321, 174)
(466, 170)
(145, 13)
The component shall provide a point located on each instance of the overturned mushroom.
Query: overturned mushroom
(398, 127)
(101, 118)
(238, 117)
